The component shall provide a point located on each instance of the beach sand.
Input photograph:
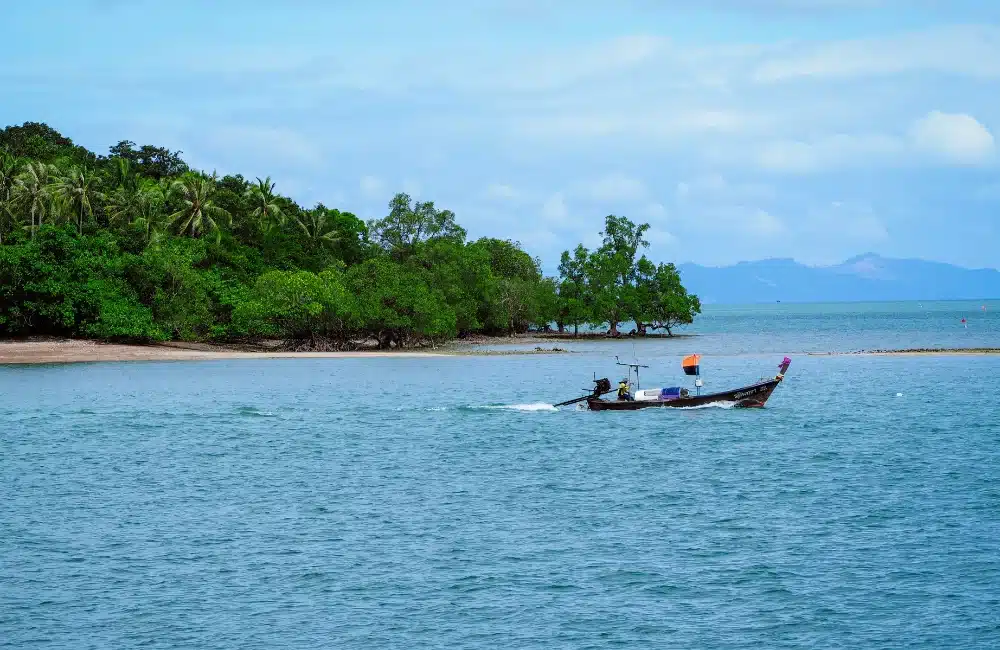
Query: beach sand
(37, 351)
(77, 351)
(82, 351)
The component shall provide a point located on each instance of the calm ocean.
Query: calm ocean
(441, 503)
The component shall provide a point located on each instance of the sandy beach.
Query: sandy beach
(74, 351)
(82, 351)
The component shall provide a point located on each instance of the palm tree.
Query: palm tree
(198, 213)
(32, 188)
(317, 226)
(123, 176)
(8, 172)
(266, 210)
(79, 190)
(140, 204)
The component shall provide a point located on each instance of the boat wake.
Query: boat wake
(710, 405)
(537, 406)
(526, 408)
(546, 407)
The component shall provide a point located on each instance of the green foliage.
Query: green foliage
(38, 141)
(79, 191)
(609, 285)
(408, 224)
(31, 191)
(8, 197)
(66, 285)
(295, 305)
(135, 246)
(120, 316)
(171, 280)
(663, 301)
(152, 162)
(197, 213)
(396, 304)
(575, 298)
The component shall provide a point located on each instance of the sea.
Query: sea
(445, 503)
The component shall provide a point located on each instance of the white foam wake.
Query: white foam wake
(537, 406)
(710, 405)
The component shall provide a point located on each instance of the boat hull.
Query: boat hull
(753, 396)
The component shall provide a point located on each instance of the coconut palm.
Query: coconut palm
(78, 190)
(198, 214)
(140, 205)
(123, 175)
(8, 173)
(318, 226)
(266, 210)
(32, 189)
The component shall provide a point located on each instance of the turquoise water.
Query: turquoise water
(441, 503)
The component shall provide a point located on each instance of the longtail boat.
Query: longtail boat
(752, 396)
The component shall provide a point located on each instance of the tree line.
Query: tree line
(136, 246)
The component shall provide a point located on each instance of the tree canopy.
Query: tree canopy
(137, 246)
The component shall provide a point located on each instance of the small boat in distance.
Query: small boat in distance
(752, 396)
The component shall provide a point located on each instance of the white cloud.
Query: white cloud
(501, 192)
(639, 122)
(955, 137)
(827, 234)
(615, 187)
(554, 209)
(937, 137)
(828, 152)
(655, 211)
(658, 240)
(412, 187)
(714, 186)
(728, 220)
(372, 187)
(963, 50)
(264, 143)
(764, 223)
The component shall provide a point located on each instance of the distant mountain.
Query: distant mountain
(867, 277)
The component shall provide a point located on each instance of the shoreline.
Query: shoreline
(913, 352)
(52, 351)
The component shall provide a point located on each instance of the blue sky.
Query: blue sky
(739, 129)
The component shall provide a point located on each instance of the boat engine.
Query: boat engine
(602, 386)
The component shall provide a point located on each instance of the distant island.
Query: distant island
(135, 246)
(864, 278)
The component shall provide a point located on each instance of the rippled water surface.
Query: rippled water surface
(441, 502)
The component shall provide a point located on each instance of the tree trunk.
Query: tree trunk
(562, 327)
(613, 330)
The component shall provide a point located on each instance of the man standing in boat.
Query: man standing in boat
(623, 393)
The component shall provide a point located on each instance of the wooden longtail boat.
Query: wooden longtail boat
(752, 396)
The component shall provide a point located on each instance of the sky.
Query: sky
(738, 129)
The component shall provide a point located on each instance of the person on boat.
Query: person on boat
(623, 393)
